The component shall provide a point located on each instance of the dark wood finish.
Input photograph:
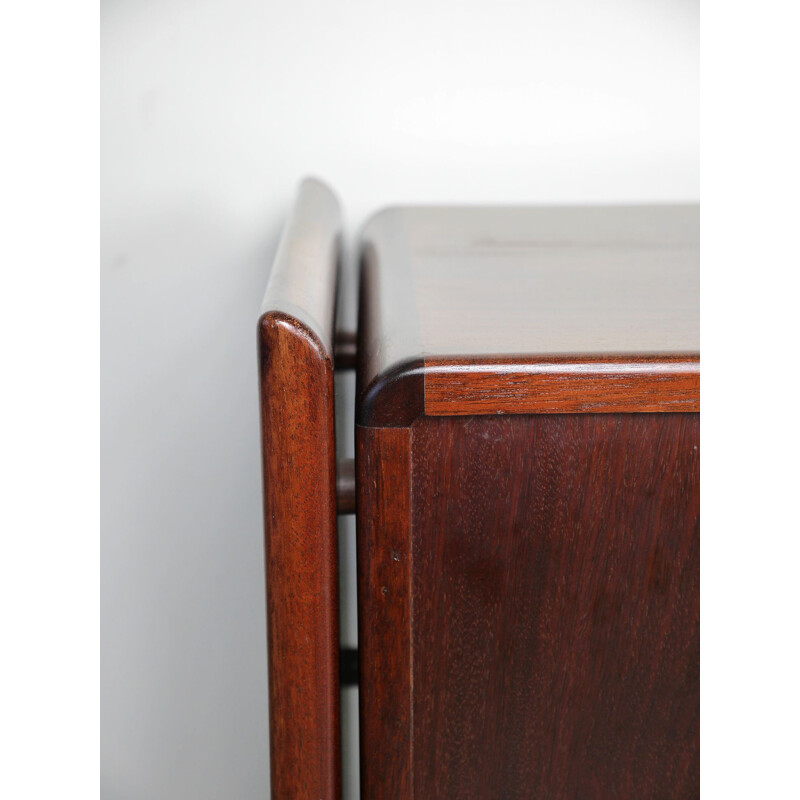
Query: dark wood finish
(535, 588)
(528, 504)
(348, 666)
(389, 392)
(344, 350)
(559, 385)
(346, 486)
(295, 335)
(384, 610)
(527, 490)
(529, 310)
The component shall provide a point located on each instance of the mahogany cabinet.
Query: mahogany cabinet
(526, 490)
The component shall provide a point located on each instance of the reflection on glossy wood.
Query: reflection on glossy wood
(466, 295)
(527, 495)
(562, 385)
(297, 418)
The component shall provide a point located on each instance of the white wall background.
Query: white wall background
(211, 112)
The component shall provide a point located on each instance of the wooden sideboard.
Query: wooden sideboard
(526, 496)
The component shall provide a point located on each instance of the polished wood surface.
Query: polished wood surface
(302, 283)
(527, 493)
(384, 611)
(558, 385)
(504, 310)
(529, 592)
(295, 336)
(528, 504)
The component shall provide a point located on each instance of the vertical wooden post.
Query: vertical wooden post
(295, 336)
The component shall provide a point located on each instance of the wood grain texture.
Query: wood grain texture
(295, 336)
(551, 636)
(529, 591)
(384, 611)
(457, 298)
(564, 385)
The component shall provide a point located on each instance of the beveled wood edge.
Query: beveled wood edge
(387, 394)
(295, 327)
(390, 398)
(563, 384)
(393, 399)
(558, 384)
(304, 276)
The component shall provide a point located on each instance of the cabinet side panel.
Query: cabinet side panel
(384, 611)
(555, 597)
(301, 561)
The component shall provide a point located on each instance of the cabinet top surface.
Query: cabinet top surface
(527, 285)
